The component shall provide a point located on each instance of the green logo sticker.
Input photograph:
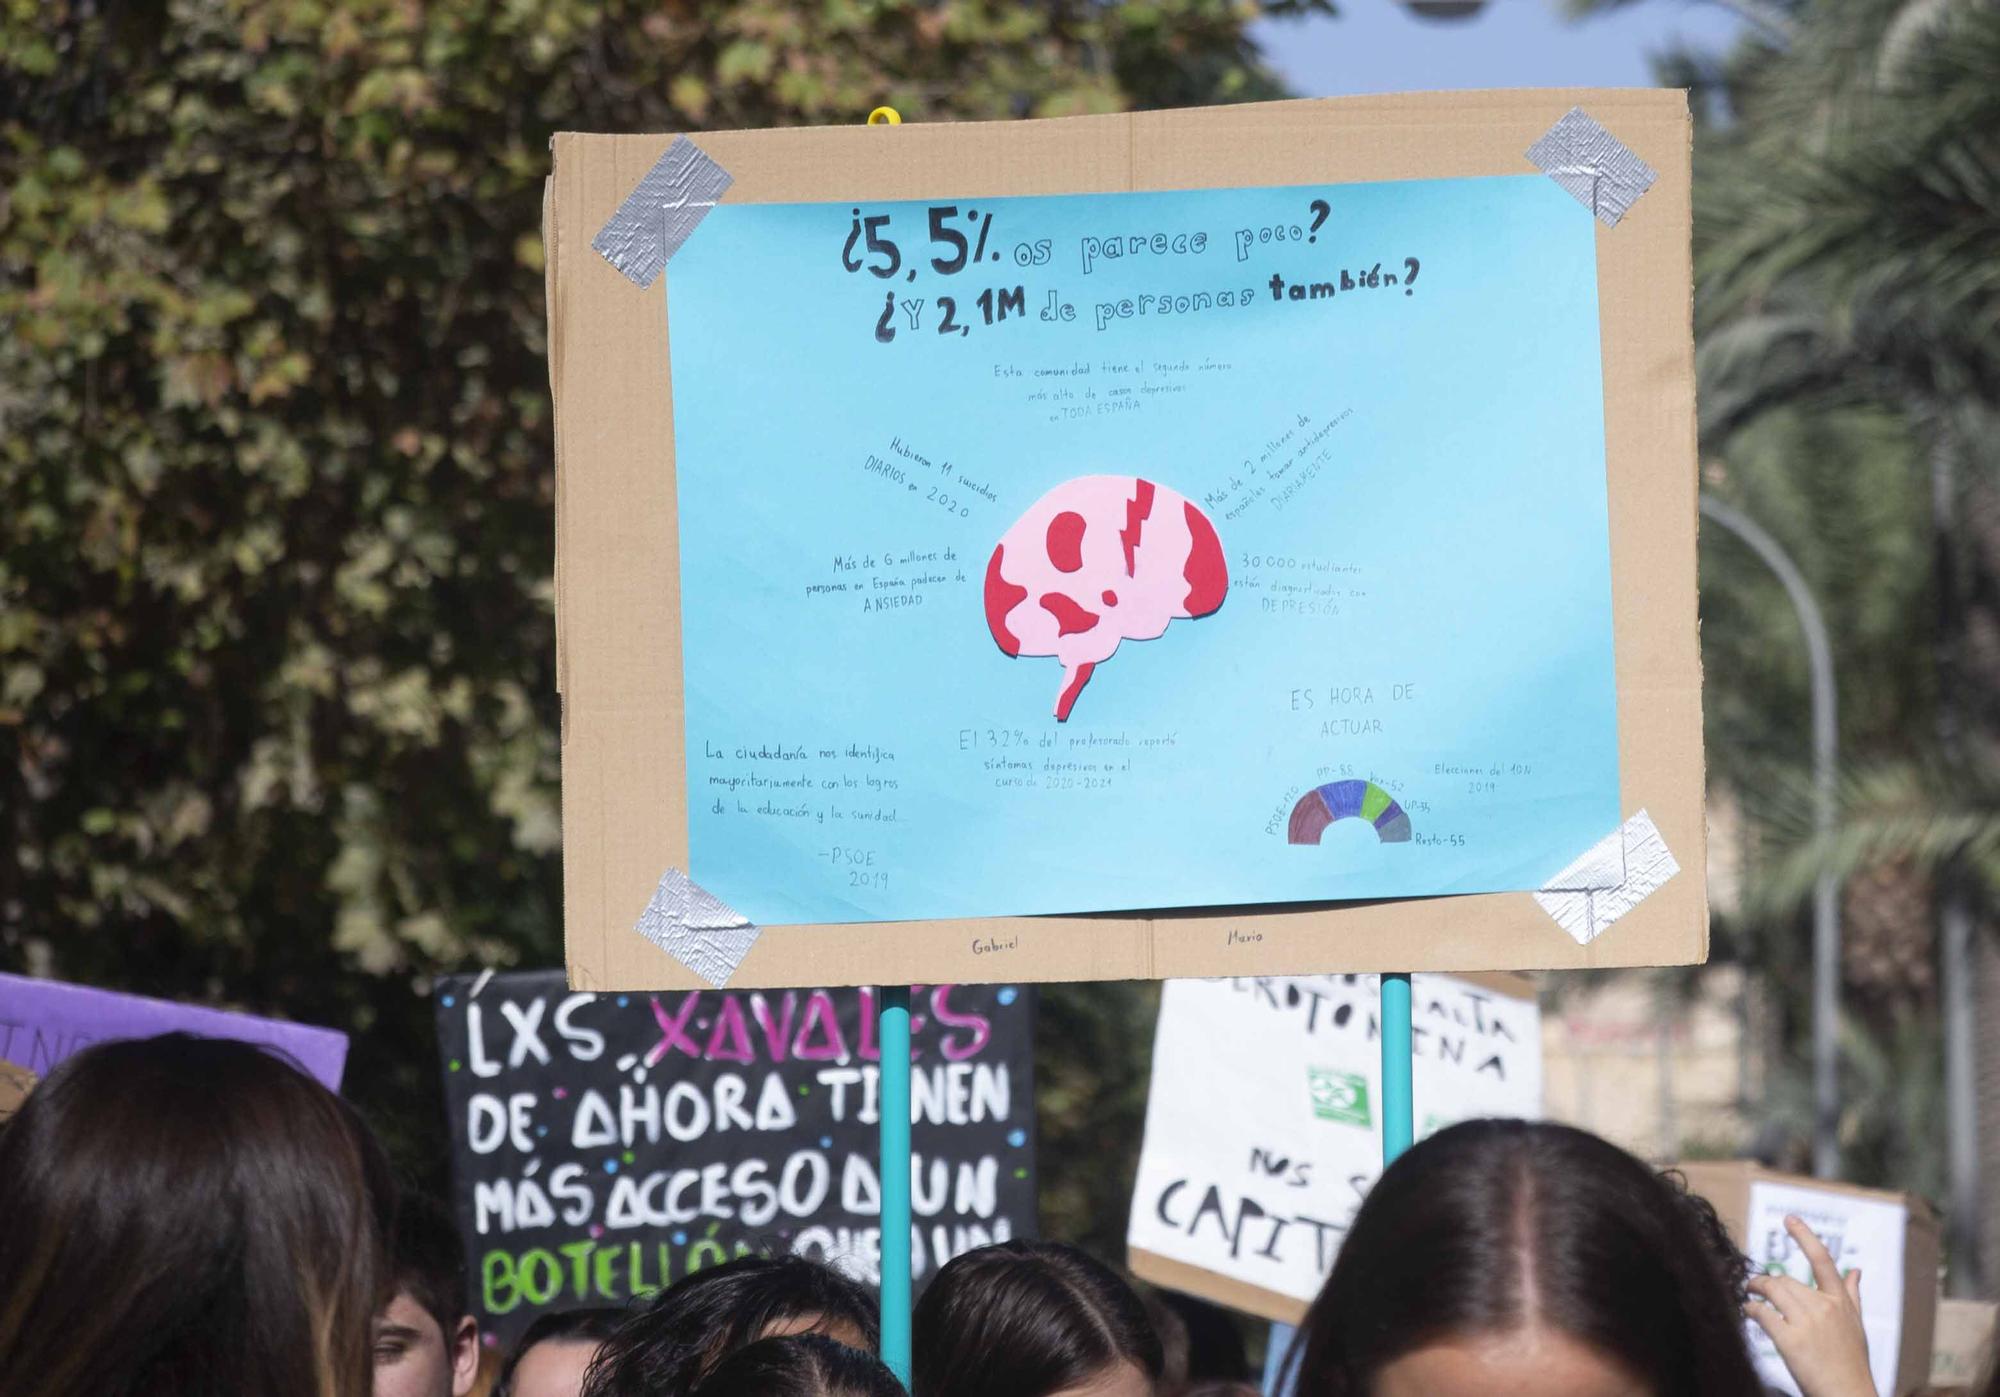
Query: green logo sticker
(1339, 1096)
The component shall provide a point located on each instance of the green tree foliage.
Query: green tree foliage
(1848, 332)
(277, 704)
(1844, 492)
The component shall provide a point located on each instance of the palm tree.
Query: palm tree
(1848, 253)
(1860, 244)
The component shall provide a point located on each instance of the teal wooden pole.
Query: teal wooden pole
(894, 1036)
(1398, 1112)
(1398, 1130)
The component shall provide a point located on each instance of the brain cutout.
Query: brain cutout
(1097, 560)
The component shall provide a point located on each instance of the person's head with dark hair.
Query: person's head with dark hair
(555, 1352)
(1172, 1333)
(667, 1348)
(1031, 1319)
(1516, 1257)
(800, 1365)
(188, 1215)
(1209, 1343)
(426, 1341)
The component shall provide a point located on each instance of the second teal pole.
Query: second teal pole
(1398, 1132)
(1398, 1111)
(894, 1036)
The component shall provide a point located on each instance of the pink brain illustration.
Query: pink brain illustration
(1097, 560)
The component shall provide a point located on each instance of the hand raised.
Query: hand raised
(1817, 1330)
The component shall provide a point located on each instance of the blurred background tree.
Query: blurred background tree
(276, 631)
(1847, 257)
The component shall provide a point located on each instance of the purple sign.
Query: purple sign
(44, 1021)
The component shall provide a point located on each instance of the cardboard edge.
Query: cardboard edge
(1922, 1240)
(1454, 104)
(1169, 1274)
(1971, 1326)
(1523, 987)
(1698, 858)
(552, 353)
(1037, 960)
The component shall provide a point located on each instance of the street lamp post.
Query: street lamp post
(1826, 891)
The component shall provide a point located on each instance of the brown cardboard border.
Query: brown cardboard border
(1962, 1345)
(617, 547)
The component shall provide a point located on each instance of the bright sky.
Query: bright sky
(1379, 46)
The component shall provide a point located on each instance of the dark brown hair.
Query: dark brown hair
(669, 1347)
(428, 1260)
(592, 1325)
(800, 1365)
(187, 1215)
(1491, 1225)
(1024, 1319)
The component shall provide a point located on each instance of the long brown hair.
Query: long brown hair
(185, 1215)
(1492, 1225)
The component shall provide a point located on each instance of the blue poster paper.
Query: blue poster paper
(1126, 551)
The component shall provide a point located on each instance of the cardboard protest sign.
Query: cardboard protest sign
(1129, 513)
(604, 1145)
(1264, 1127)
(44, 1021)
(1962, 1347)
(1892, 1237)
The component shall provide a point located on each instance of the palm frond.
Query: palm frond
(1748, 365)
(1922, 813)
(1915, 24)
(1773, 17)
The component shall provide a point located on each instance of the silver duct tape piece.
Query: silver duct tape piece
(1585, 912)
(1587, 160)
(1599, 867)
(696, 928)
(659, 215)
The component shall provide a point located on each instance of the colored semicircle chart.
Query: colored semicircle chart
(1345, 800)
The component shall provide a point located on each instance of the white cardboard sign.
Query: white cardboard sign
(1264, 1125)
(1864, 1232)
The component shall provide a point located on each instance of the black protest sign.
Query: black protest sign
(604, 1145)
